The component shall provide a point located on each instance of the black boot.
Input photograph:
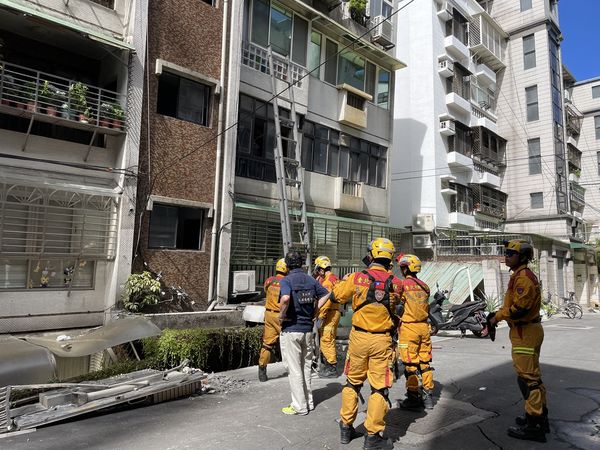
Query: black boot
(522, 420)
(427, 399)
(412, 401)
(328, 371)
(532, 431)
(376, 441)
(347, 433)
(262, 373)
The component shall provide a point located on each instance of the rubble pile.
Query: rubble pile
(223, 384)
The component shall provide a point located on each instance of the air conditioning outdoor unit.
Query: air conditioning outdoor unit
(421, 241)
(447, 127)
(445, 11)
(244, 281)
(382, 33)
(423, 222)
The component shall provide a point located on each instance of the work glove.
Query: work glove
(491, 326)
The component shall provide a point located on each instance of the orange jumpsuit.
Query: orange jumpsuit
(414, 342)
(272, 325)
(521, 310)
(330, 317)
(370, 350)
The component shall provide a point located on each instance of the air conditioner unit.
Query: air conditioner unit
(244, 281)
(423, 222)
(447, 127)
(421, 241)
(446, 67)
(491, 249)
(382, 33)
(445, 11)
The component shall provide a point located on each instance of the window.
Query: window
(525, 5)
(531, 97)
(597, 126)
(461, 142)
(598, 161)
(370, 82)
(314, 54)
(596, 91)
(535, 158)
(457, 27)
(363, 161)
(383, 89)
(183, 99)
(286, 32)
(537, 200)
(175, 227)
(351, 69)
(52, 238)
(330, 62)
(529, 52)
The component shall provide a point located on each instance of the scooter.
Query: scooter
(470, 315)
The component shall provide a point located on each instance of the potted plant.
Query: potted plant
(118, 116)
(78, 97)
(29, 94)
(105, 115)
(61, 100)
(358, 11)
(47, 98)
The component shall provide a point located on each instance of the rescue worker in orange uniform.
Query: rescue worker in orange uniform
(521, 310)
(374, 293)
(414, 343)
(329, 316)
(272, 326)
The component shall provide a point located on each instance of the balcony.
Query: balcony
(574, 117)
(348, 196)
(459, 161)
(485, 98)
(458, 103)
(487, 41)
(456, 48)
(44, 97)
(577, 195)
(486, 75)
(257, 58)
(489, 203)
(486, 179)
(574, 157)
(448, 185)
(461, 214)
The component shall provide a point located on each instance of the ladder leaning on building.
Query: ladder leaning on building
(289, 171)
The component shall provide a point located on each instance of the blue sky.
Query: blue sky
(580, 26)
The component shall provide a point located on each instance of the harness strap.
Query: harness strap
(384, 392)
(356, 388)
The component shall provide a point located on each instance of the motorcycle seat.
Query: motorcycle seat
(455, 308)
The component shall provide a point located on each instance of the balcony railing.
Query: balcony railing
(28, 92)
(490, 202)
(574, 118)
(577, 193)
(574, 156)
(462, 206)
(257, 58)
(352, 188)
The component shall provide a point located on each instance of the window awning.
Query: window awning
(576, 245)
(89, 32)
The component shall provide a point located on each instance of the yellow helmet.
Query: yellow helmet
(323, 262)
(281, 266)
(524, 248)
(382, 248)
(411, 262)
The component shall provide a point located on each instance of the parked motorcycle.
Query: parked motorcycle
(469, 315)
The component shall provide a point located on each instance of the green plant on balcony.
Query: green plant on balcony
(118, 115)
(28, 93)
(141, 289)
(106, 114)
(358, 11)
(48, 97)
(78, 96)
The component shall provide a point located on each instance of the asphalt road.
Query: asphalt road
(476, 393)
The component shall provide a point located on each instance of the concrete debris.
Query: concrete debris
(223, 384)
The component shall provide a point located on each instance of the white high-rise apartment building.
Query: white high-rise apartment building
(488, 138)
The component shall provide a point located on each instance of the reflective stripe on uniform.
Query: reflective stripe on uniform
(403, 345)
(524, 350)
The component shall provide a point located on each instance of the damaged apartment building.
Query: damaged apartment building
(70, 101)
(492, 130)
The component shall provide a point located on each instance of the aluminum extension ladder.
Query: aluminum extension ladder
(289, 170)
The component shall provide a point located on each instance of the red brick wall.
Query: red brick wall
(187, 33)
